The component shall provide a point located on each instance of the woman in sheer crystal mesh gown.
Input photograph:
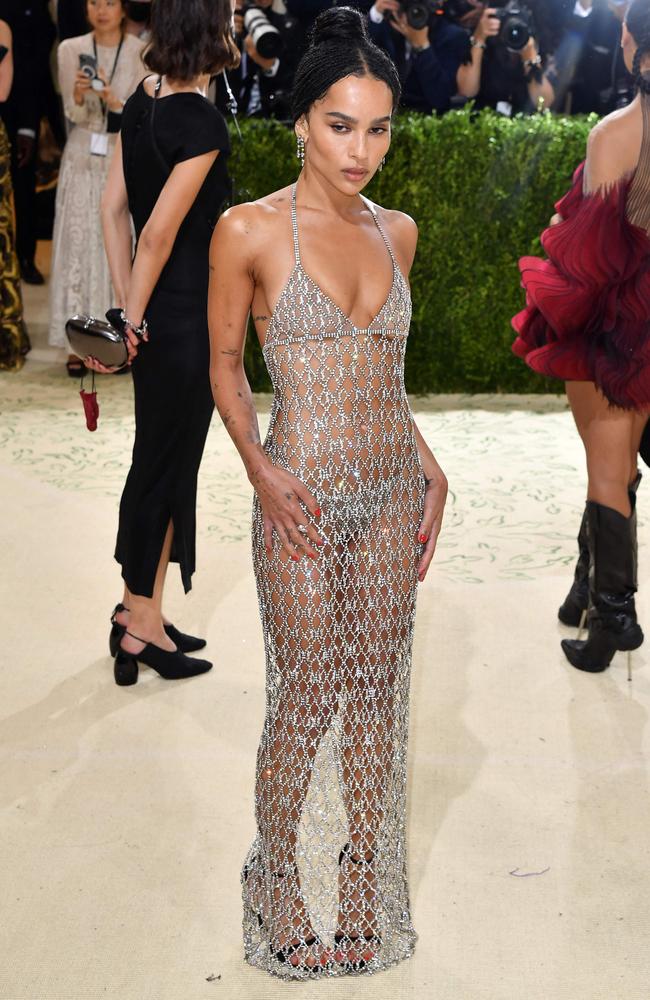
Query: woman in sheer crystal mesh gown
(587, 321)
(347, 508)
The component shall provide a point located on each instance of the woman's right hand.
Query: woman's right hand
(81, 87)
(281, 494)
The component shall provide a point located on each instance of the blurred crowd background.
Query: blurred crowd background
(67, 67)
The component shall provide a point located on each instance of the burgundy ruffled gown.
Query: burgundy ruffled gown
(587, 316)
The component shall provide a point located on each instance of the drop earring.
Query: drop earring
(300, 152)
(383, 162)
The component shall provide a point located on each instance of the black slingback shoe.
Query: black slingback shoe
(574, 608)
(186, 643)
(371, 938)
(172, 666)
(612, 584)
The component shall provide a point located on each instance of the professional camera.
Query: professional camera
(417, 12)
(516, 19)
(267, 39)
(516, 24)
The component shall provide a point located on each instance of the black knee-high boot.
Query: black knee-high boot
(577, 600)
(611, 618)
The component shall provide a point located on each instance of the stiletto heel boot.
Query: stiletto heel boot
(186, 643)
(573, 610)
(612, 584)
(172, 666)
(371, 939)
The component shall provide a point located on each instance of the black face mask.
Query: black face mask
(138, 12)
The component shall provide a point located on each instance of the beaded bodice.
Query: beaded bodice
(339, 389)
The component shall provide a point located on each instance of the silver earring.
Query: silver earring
(300, 153)
(383, 161)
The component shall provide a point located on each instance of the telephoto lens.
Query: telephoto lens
(266, 37)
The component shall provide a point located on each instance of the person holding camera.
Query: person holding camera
(427, 56)
(97, 73)
(261, 74)
(510, 74)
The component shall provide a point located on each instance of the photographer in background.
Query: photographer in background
(590, 64)
(508, 60)
(427, 56)
(265, 37)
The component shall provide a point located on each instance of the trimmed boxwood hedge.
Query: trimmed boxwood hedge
(481, 188)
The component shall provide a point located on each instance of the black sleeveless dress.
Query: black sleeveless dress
(171, 376)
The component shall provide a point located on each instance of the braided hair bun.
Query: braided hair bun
(339, 24)
(637, 20)
(339, 47)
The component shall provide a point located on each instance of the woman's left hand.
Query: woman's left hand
(435, 499)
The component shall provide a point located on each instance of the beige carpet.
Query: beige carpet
(125, 814)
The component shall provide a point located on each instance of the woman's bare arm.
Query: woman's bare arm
(161, 229)
(233, 249)
(405, 239)
(116, 223)
(7, 64)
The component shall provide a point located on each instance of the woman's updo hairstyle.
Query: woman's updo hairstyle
(190, 38)
(339, 46)
(637, 20)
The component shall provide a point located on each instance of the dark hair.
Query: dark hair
(190, 38)
(339, 46)
(637, 20)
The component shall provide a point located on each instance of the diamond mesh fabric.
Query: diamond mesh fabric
(330, 852)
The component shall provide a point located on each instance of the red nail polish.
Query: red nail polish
(295, 558)
(317, 512)
(312, 555)
(423, 538)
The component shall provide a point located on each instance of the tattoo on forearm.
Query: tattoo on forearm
(232, 353)
(261, 318)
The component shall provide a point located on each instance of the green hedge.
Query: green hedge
(481, 188)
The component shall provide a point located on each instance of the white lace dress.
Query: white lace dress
(80, 280)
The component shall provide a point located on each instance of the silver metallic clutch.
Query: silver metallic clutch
(96, 338)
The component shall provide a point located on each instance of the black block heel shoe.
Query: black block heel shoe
(172, 666)
(186, 643)
(371, 939)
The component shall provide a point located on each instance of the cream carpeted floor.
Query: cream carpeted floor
(126, 813)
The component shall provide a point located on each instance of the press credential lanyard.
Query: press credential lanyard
(99, 140)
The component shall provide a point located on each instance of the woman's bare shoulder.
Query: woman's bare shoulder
(252, 225)
(401, 229)
(614, 146)
(5, 33)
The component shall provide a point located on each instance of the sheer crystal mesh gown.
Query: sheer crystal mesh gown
(332, 761)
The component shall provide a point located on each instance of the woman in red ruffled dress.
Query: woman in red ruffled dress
(587, 321)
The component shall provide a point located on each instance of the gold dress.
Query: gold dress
(332, 761)
(14, 342)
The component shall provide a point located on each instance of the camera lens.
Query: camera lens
(516, 33)
(417, 15)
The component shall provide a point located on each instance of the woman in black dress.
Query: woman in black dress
(169, 173)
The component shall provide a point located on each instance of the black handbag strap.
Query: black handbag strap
(152, 130)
